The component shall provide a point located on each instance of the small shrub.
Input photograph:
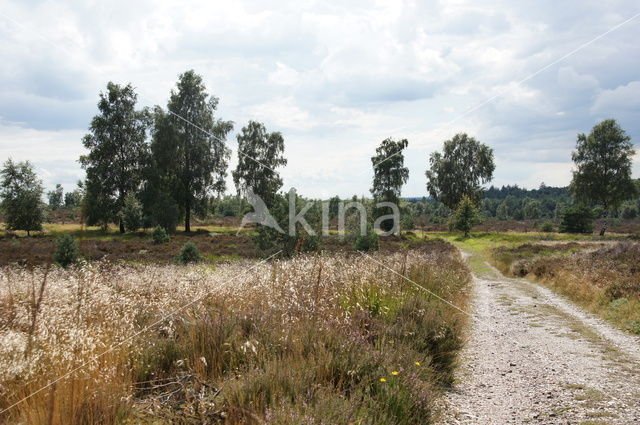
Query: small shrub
(311, 243)
(367, 242)
(547, 227)
(576, 219)
(132, 213)
(520, 268)
(621, 289)
(289, 243)
(67, 252)
(160, 235)
(618, 303)
(407, 222)
(466, 216)
(189, 254)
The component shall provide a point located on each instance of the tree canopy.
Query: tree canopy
(259, 155)
(56, 197)
(462, 167)
(189, 146)
(117, 152)
(389, 174)
(21, 193)
(603, 166)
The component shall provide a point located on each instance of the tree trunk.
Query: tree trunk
(603, 228)
(187, 217)
(121, 226)
(604, 224)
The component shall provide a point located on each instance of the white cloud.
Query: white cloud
(282, 112)
(53, 153)
(284, 75)
(336, 79)
(622, 99)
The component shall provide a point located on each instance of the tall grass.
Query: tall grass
(603, 279)
(318, 339)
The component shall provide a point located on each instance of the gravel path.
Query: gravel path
(533, 357)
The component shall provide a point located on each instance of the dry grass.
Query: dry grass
(493, 225)
(316, 339)
(603, 278)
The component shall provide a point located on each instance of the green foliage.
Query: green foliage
(367, 242)
(97, 208)
(603, 166)
(466, 216)
(132, 213)
(55, 197)
(230, 206)
(599, 212)
(160, 235)
(502, 212)
(407, 221)
(547, 227)
(165, 212)
(189, 147)
(74, 199)
(67, 252)
(189, 254)
(629, 211)
(531, 209)
(459, 170)
(389, 174)
(334, 206)
(117, 153)
(21, 193)
(262, 154)
(289, 242)
(577, 219)
(520, 203)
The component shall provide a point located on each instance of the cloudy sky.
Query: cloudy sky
(523, 77)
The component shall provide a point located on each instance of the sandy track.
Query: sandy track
(533, 357)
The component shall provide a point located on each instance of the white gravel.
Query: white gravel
(533, 357)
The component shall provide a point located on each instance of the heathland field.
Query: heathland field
(402, 335)
(248, 245)
(323, 338)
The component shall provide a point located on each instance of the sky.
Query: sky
(335, 79)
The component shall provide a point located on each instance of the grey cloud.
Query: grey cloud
(363, 72)
(45, 113)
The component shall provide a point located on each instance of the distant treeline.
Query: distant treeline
(517, 203)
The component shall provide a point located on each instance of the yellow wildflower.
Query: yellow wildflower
(395, 373)
(417, 363)
(383, 380)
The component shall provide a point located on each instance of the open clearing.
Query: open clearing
(533, 357)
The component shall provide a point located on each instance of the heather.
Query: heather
(602, 277)
(341, 338)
